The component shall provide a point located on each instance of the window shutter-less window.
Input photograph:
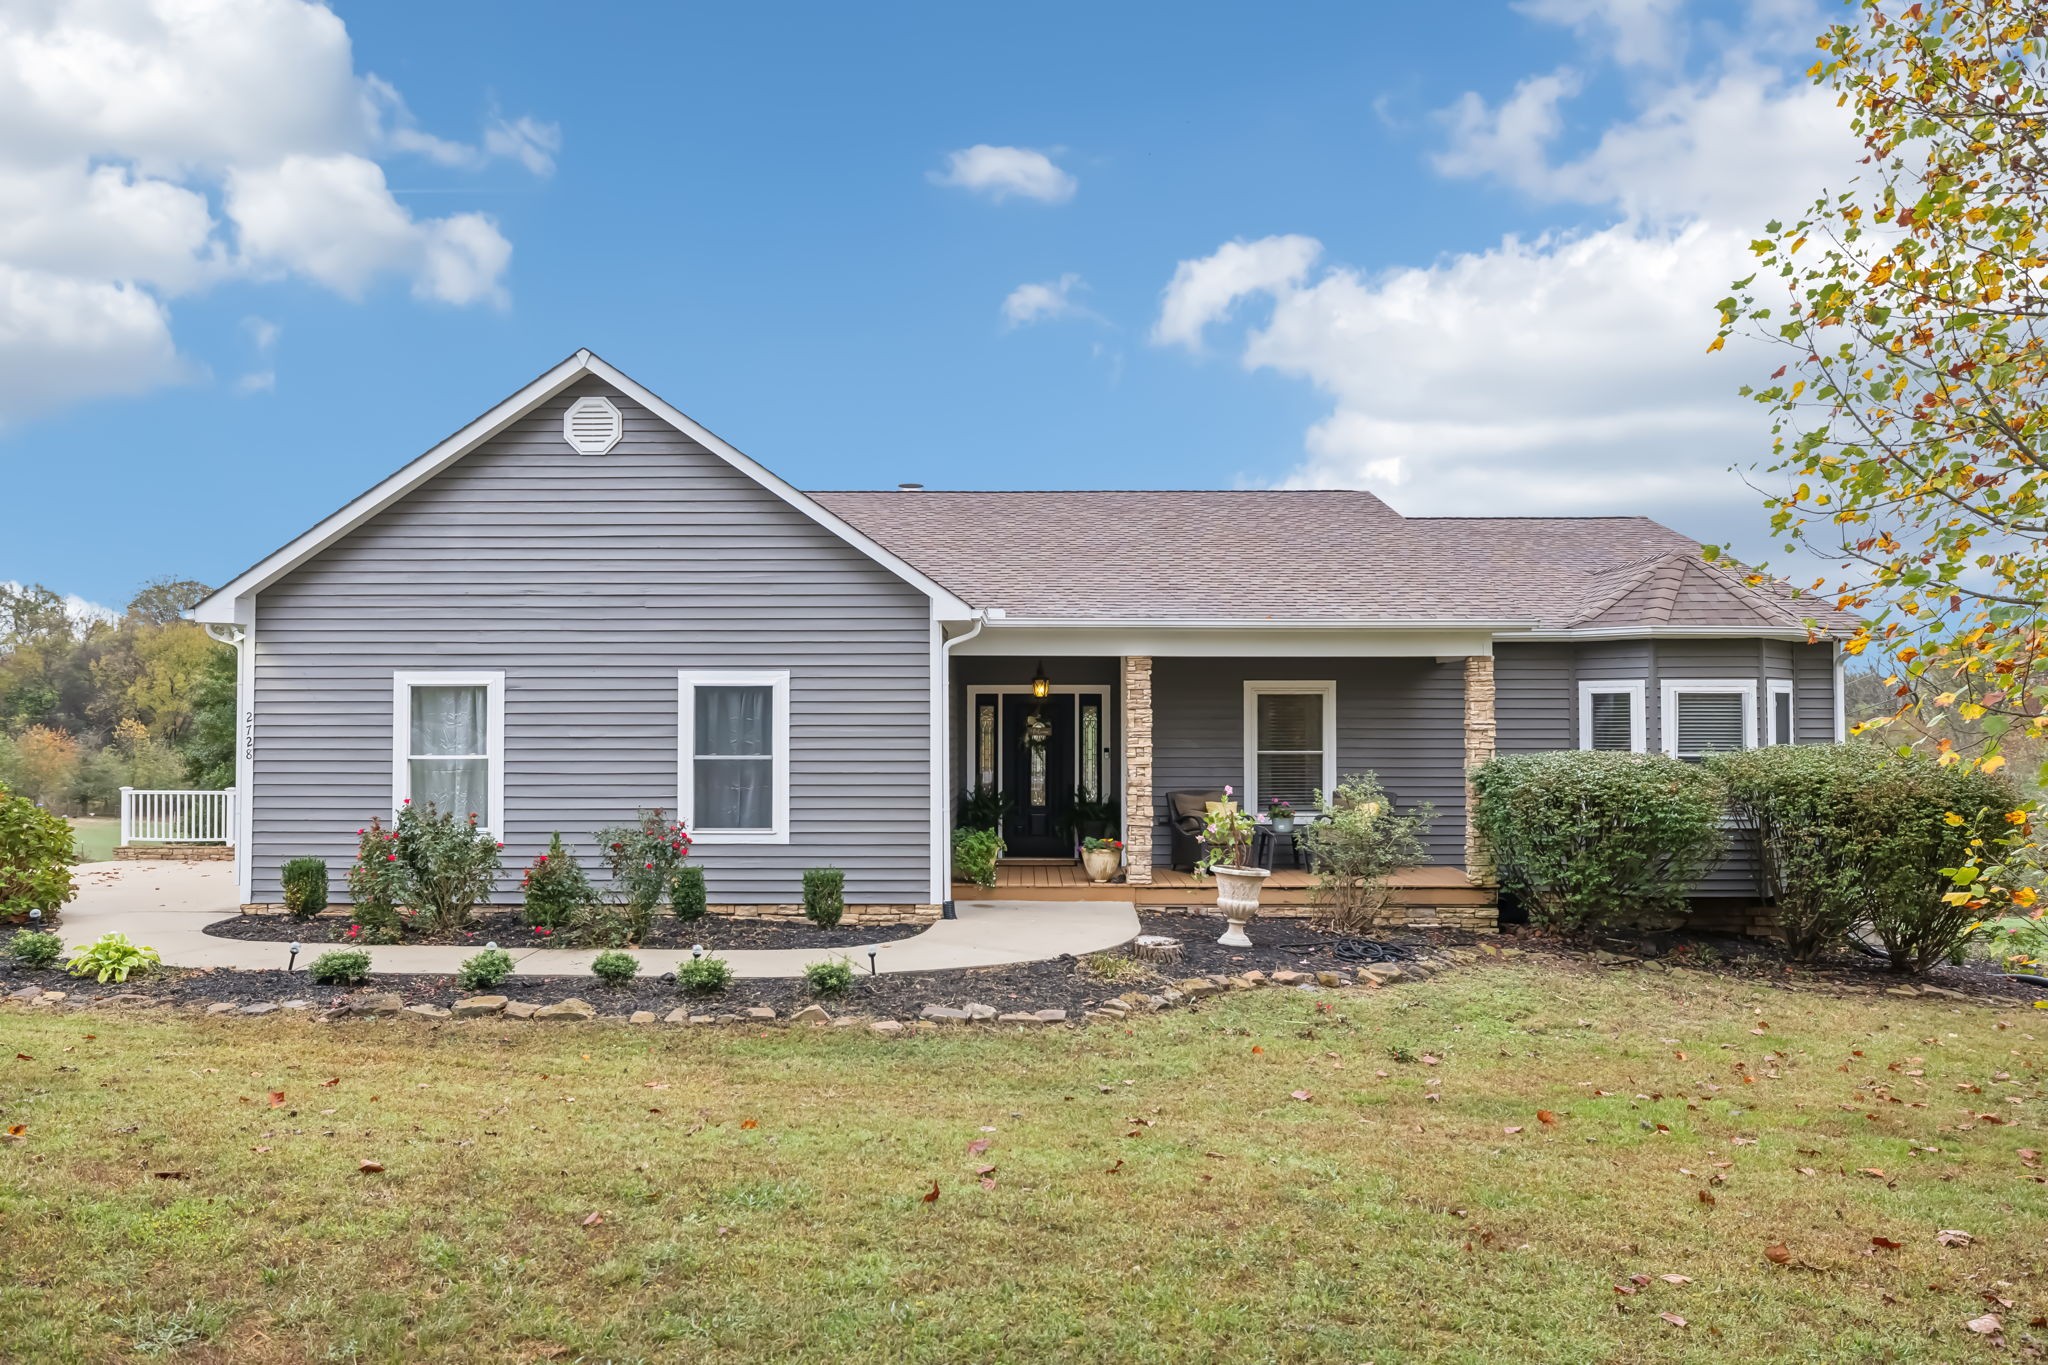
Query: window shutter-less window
(1613, 720)
(1709, 723)
(1781, 717)
(1290, 747)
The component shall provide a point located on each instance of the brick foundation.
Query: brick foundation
(174, 853)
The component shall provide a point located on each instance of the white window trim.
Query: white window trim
(1326, 689)
(1781, 687)
(1668, 706)
(493, 683)
(1632, 688)
(689, 680)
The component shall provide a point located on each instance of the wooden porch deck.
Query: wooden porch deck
(1064, 881)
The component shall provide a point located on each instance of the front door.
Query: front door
(1038, 775)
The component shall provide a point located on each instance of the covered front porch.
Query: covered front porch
(1056, 746)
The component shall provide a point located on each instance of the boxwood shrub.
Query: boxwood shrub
(824, 896)
(305, 886)
(1583, 837)
(1854, 834)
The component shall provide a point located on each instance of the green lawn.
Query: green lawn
(1157, 1192)
(95, 838)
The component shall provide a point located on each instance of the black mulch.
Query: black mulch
(508, 930)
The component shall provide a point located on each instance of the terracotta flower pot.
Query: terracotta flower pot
(1237, 897)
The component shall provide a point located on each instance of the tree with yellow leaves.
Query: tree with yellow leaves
(1910, 312)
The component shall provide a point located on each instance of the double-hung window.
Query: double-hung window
(735, 756)
(1780, 713)
(1611, 715)
(448, 744)
(1708, 716)
(1290, 743)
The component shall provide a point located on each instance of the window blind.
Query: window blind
(1708, 722)
(1613, 720)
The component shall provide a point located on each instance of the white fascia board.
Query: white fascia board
(946, 606)
(1232, 639)
(1799, 633)
(220, 606)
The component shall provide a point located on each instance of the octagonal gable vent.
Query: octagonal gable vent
(592, 426)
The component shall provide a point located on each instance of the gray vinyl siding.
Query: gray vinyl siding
(1403, 719)
(591, 581)
(1537, 706)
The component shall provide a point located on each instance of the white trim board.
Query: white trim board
(220, 605)
(1248, 800)
(687, 683)
(1637, 722)
(493, 683)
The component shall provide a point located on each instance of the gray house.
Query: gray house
(584, 602)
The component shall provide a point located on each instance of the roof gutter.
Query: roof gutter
(998, 620)
(1676, 633)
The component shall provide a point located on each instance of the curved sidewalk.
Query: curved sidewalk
(168, 905)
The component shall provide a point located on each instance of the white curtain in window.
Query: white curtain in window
(735, 759)
(450, 750)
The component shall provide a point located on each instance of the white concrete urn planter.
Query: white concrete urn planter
(1101, 864)
(1237, 896)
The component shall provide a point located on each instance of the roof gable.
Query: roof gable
(220, 606)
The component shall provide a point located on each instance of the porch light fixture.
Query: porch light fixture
(1041, 686)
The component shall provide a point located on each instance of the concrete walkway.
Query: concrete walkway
(168, 905)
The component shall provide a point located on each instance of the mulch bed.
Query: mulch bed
(508, 930)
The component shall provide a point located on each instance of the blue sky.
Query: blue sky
(1462, 255)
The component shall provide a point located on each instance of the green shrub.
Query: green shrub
(615, 968)
(829, 978)
(35, 858)
(704, 974)
(481, 972)
(600, 926)
(35, 948)
(555, 886)
(1355, 842)
(687, 893)
(644, 859)
(1855, 834)
(111, 957)
(2019, 942)
(341, 967)
(982, 808)
(305, 886)
(975, 852)
(1587, 836)
(824, 896)
(449, 863)
(376, 883)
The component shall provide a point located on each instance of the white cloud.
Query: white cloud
(263, 333)
(81, 610)
(153, 148)
(1029, 303)
(1560, 372)
(1633, 32)
(257, 381)
(1000, 172)
(1203, 291)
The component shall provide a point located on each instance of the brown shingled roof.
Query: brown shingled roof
(1308, 555)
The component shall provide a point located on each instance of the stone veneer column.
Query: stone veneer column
(1479, 735)
(1137, 740)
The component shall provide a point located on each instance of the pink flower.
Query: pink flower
(408, 800)
(391, 857)
(543, 858)
(650, 867)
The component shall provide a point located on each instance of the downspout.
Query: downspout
(237, 637)
(944, 761)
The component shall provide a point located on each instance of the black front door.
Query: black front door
(1038, 775)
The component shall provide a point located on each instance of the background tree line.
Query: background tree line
(88, 706)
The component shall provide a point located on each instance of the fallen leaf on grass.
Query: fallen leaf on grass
(1512, 1129)
(1676, 1279)
(1545, 1116)
(1257, 1050)
(1986, 1326)
(276, 1098)
(932, 1195)
(1885, 1244)
(16, 1132)
(170, 1175)
(1112, 1170)
(988, 1182)
(2029, 1157)
(1673, 1319)
(1624, 1288)
(1302, 1095)
(333, 1080)
(23, 1057)
(749, 1124)
(593, 1220)
(1707, 1197)
(978, 1146)
(1952, 1237)
(1777, 1253)
(369, 1167)
(984, 1170)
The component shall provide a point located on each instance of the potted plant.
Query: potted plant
(1227, 835)
(1101, 858)
(1281, 814)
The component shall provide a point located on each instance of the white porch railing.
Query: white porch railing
(177, 817)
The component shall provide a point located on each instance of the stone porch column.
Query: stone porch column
(1137, 740)
(1479, 735)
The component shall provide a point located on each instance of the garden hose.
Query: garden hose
(1349, 950)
